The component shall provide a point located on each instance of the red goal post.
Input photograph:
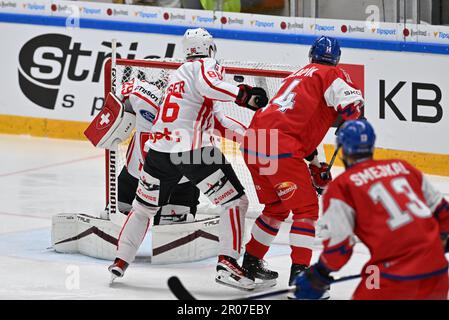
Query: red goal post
(266, 75)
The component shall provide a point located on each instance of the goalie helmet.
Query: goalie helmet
(198, 42)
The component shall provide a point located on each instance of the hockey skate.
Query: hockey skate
(256, 267)
(117, 269)
(295, 270)
(229, 273)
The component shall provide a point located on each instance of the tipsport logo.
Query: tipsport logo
(48, 60)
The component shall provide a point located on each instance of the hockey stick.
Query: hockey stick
(180, 292)
(112, 153)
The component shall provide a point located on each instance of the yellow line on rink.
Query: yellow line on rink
(40, 127)
(430, 163)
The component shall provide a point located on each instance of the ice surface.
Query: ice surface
(43, 177)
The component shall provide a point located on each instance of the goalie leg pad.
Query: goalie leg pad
(232, 227)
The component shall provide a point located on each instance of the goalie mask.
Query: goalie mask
(198, 42)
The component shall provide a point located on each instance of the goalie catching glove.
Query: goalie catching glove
(252, 98)
(112, 125)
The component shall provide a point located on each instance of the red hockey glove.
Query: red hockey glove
(252, 98)
(352, 111)
(320, 176)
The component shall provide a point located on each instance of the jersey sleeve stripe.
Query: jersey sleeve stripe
(146, 100)
(211, 85)
(197, 125)
(130, 150)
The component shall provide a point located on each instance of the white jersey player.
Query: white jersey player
(180, 146)
(143, 99)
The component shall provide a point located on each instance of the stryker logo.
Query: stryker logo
(319, 27)
(5, 4)
(386, 32)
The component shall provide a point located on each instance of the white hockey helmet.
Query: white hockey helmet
(198, 42)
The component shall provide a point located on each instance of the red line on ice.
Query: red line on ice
(50, 166)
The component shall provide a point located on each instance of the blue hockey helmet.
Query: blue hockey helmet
(356, 137)
(325, 50)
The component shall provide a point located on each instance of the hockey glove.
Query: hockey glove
(312, 283)
(320, 176)
(252, 98)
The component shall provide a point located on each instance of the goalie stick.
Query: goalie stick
(181, 293)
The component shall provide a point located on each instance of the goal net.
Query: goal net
(267, 76)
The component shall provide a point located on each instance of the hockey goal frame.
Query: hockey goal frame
(109, 77)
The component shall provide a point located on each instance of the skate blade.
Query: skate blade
(224, 278)
(111, 281)
(264, 284)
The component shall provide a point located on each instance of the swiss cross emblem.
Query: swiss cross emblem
(105, 119)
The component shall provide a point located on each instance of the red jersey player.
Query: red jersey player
(283, 134)
(392, 208)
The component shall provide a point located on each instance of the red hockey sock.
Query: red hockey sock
(263, 233)
(302, 235)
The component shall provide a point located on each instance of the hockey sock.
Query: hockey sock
(263, 233)
(302, 236)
